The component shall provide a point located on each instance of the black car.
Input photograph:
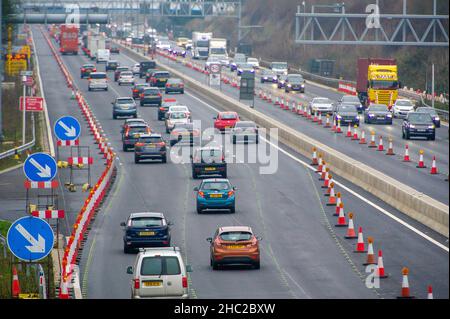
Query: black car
(377, 114)
(144, 66)
(174, 85)
(137, 89)
(159, 79)
(294, 82)
(114, 49)
(86, 70)
(150, 146)
(418, 124)
(132, 134)
(111, 65)
(281, 81)
(269, 76)
(146, 229)
(352, 99)
(433, 114)
(118, 71)
(151, 95)
(162, 110)
(347, 114)
(208, 161)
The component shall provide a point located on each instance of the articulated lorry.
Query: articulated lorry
(68, 39)
(200, 44)
(218, 48)
(377, 81)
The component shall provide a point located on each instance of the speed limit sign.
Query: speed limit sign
(215, 68)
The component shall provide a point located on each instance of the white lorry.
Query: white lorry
(218, 48)
(96, 42)
(200, 45)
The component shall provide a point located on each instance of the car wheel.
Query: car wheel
(124, 148)
(164, 159)
(403, 134)
(136, 159)
(120, 83)
(215, 265)
(167, 130)
(199, 210)
(407, 135)
(126, 250)
(114, 117)
(194, 175)
(256, 265)
(433, 138)
(135, 115)
(89, 89)
(142, 104)
(106, 89)
(233, 210)
(224, 174)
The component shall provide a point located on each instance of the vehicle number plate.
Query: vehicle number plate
(421, 130)
(146, 233)
(152, 283)
(215, 195)
(210, 168)
(236, 246)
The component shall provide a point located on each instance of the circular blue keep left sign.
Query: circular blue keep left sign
(67, 128)
(30, 238)
(40, 167)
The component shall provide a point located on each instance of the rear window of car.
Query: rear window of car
(175, 81)
(228, 116)
(138, 129)
(350, 99)
(150, 92)
(112, 62)
(126, 73)
(160, 265)
(146, 222)
(235, 236)
(150, 140)
(122, 68)
(427, 110)
(178, 115)
(220, 186)
(162, 75)
(148, 65)
(98, 76)
(211, 155)
(88, 66)
(125, 101)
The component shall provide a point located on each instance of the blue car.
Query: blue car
(146, 229)
(215, 194)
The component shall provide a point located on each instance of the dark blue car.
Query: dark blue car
(145, 230)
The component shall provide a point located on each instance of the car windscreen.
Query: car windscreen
(161, 75)
(420, 118)
(268, 73)
(252, 60)
(160, 265)
(347, 108)
(178, 115)
(404, 103)
(150, 92)
(235, 236)
(98, 76)
(176, 108)
(228, 116)
(279, 65)
(126, 73)
(148, 65)
(379, 108)
(216, 186)
(239, 59)
(146, 222)
(150, 140)
(113, 63)
(125, 101)
(203, 53)
(295, 79)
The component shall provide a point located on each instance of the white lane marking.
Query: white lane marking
(380, 209)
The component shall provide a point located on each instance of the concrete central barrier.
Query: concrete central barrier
(409, 201)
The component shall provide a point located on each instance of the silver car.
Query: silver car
(402, 107)
(321, 105)
(98, 81)
(126, 77)
(244, 131)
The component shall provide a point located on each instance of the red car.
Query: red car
(225, 120)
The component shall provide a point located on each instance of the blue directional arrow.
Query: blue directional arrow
(30, 238)
(40, 167)
(67, 128)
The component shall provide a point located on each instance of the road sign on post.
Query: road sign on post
(32, 103)
(215, 74)
(40, 167)
(67, 128)
(30, 238)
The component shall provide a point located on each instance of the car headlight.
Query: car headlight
(289, 85)
(357, 117)
(371, 115)
(389, 115)
(303, 85)
(437, 118)
(412, 126)
(338, 117)
(431, 126)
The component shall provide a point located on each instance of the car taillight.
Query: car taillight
(161, 109)
(201, 194)
(230, 193)
(181, 85)
(139, 144)
(136, 284)
(135, 91)
(142, 95)
(185, 282)
(161, 144)
(167, 85)
(83, 70)
(94, 70)
(127, 131)
(159, 94)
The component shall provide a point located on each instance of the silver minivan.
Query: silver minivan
(159, 273)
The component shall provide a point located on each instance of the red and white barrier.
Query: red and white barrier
(48, 213)
(347, 88)
(80, 160)
(40, 185)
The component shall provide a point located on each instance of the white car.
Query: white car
(402, 107)
(126, 77)
(173, 118)
(97, 80)
(244, 131)
(159, 273)
(179, 108)
(253, 62)
(163, 45)
(136, 68)
(321, 104)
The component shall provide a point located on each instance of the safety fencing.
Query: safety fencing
(97, 193)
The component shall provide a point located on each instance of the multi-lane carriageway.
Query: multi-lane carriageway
(303, 254)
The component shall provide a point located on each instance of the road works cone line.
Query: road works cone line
(363, 138)
(330, 186)
(360, 246)
(433, 166)
(351, 228)
(324, 171)
(338, 128)
(341, 218)
(334, 127)
(405, 285)
(406, 156)
(319, 120)
(390, 150)
(380, 145)
(326, 180)
(15, 283)
(370, 254)
(380, 266)
(421, 162)
(338, 204)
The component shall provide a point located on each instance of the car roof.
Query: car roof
(122, 67)
(115, 61)
(138, 124)
(210, 180)
(162, 251)
(227, 112)
(124, 98)
(235, 228)
(147, 214)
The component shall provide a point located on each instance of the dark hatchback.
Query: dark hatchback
(137, 89)
(150, 146)
(159, 79)
(145, 229)
(162, 110)
(151, 95)
(208, 161)
(118, 71)
(144, 66)
(433, 114)
(377, 114)
(418, 124)
(132, 135)
(294, 82)
(347, 114)
(111, 65)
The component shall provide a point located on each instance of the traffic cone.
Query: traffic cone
(15, 283)
(360, 246)
(299, 109)
(338, 204)
(269, 98)
(319, 163)
(264, 96)
(293, 108)
(372, 140)
(324, 171)
(277, 101)
(305, 110)
(390, 150)
(282, 103)
(319, 120)
(338, 128)
(406, 156)
(334, 127)
(351, 228)
(330, 186)
(315, 117)
(309, 115)
(355, 133)
(380, 266)
(405, 285)
(430, 293)
(326, 179)
(341, 218)
(370, 254)
(332, 198)
(421, 162)
(349, 131)
(72, 97)
(327, 121)
(362, 140)
(433, 166)
(380, 145)
(314, 157)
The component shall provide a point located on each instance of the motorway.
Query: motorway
(303, 255)
(434, 186)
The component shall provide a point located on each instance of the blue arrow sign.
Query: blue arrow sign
(30, 238)
(67, 128)
(40, 167)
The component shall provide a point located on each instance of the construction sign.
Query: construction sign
(30, 295)
(33, 103)
(14, 67)
(25, 50)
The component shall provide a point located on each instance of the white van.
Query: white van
(103, 55)
(159, 273)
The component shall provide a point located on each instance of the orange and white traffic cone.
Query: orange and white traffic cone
(327, 121)
(319, 120)
(433, 166)
(370, 254)
(390, 150)
(349, 131)
(338, 204)
(430, 293)
(282, 103)
(355, 133)
(277, 101)
(351, 228)
(332, 198)
(362, 140)
(380, 266)
(326, 179)
(338, 128)
(421, 162)
(406, 156)
(15, 283)
(334, 127)
(294, 107)
(315, 117)
(360, 246)
(380, 145)
(330, 186)
(372, 140)
(405, 285)
(319, 163)
(269, 99)
(324, 171)
(314, 162)
(341, 218)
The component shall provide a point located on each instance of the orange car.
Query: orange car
(234, 245)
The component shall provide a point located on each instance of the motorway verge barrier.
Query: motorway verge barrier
(406, 199)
